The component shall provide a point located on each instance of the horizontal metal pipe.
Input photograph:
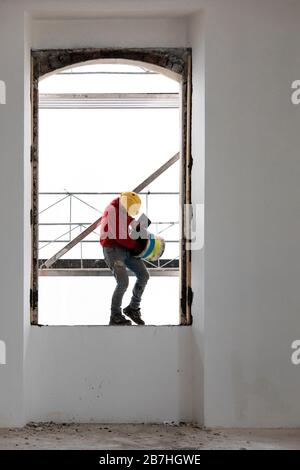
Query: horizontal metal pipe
(149, 193)
(90, 241)
(166, 272)
(87, 223)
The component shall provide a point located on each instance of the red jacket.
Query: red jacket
(113, 233)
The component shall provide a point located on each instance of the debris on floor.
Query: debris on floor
(168, 436)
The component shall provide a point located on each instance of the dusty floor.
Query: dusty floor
(144, 436)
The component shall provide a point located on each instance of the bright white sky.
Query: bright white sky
(95, 150)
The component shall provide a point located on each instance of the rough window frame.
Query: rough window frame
(178, 60)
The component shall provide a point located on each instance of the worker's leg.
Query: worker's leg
(137, 266)
(115, 259)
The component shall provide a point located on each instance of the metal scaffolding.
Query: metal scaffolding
(88, 267)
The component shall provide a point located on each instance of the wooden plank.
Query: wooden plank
(95, 224)
(157, 173)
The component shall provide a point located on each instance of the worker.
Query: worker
(119, 249)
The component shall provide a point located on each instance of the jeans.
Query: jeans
(118, 258)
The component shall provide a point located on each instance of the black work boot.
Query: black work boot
(119, 319)
(134, 314)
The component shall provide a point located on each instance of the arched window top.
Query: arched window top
(121, 65)
(172, 62)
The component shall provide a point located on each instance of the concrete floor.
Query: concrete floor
(144, 436)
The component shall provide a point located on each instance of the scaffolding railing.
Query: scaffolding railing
(96, 266)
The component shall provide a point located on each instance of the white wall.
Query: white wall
(252, 256)
(12, 214)
(240, 350)
(197, 40)
(106, 374)
(109, 32)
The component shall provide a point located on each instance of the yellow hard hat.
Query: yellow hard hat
(131, 202)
